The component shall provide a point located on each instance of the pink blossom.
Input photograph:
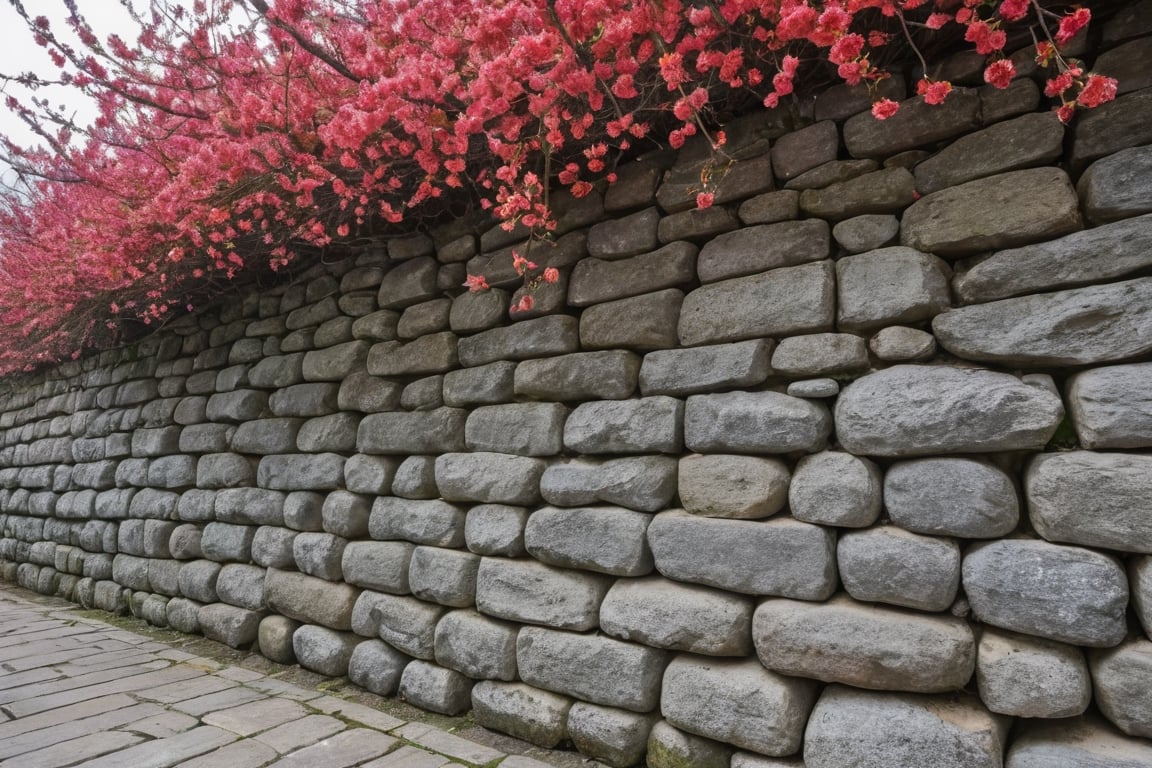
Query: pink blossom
(884, 109)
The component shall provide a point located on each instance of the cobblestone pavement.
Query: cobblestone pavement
(79, 691)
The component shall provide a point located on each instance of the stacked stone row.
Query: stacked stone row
(850, 469)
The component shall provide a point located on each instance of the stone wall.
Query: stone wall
(851, 469)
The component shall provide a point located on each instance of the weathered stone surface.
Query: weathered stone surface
(478, 310)
(272, 547)
(864, 646)
(1002, 211)
(754, 422)
(1092, 255)
(324, 650)
(830, 173)
(534, 593)
(299, 472)
(601, 539)
(780, 302)
(646, 425)
(899, 344)
(482, 385)
(645, 483)
(916, 124)
(252, 506)
(613, 736)
(888, 565)
(377, 667)
(496, 529)
(1080, 326)
(890, 190)
(274, 636)
(224, 543)
(816, 389)
(951, 497)
(407, 623)
(1126, 63)
(434, 353)
(1112, 127)
(835, 488)
(820, 354)
(527, 713)
(490, 478)
(741, 487)
(1022, 95)
(1029, 140)
(477, 646)
(235, 627)
(426, 318)
(876, 730)
(435, 688)
(1092, 499)
(737, 702)
(525, 429)
(306, 598)
(596, 280)
(664, 614)
(640, 322)
(1030, 677)
(703, 369)
(242, 586)
(625, 236)
(756, 249)
(409, 283)
(444, 576)
(890, 286)
(1122, 678)
(672, 748)
(799, 151)
(335, 362)
(866, 232)
(305, 400)
(368, 394)
(909, 410)
(541, 337)
(303, 511)
(319, 554)
(437, 431)
(770, 207)
(697, 224)
(773, 557)
(591, 668)
(336, 432)
(376, 326)
(1117, 187)
(1083, 742)
(1062, 593)
(608, 375)
(379, 565)
(433, 522)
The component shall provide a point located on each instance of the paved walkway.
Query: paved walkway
(79, 691)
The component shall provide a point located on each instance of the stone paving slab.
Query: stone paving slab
(79, 692)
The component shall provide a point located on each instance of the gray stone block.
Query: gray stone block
(303, 510)
(1122, 678)
(377, 667)
(319, 554)
(737, 702)
(224, 470)
(482, 385)
(206, 438)
(867, 232)
(264, 436)
(275, 638)
(300, 472)
(183, 615)
(368, 394)
(324, 650)
(272, 547)
(250, 506)
(522, 711)
(772, 557)
(781, 302)
(534, 593)
(613, 736)
(647, 425)
(639, 322)
(423, 394)
(379, 565)
(1092, 499)
(435, 688)
(376, 326)
(489, 477)
(591, 668)
(703, 369)
(664, 614)
(889, 565)
(436, 431)
(305, 400)
(820, 354)
(425, 319)
(415, 478)
(478, 310)
(951, 497)
(672, 748)
(835, 488)
(864, 646)
(235, 627)
(434, 353)
(890, 286)
(277, 371)
(756, 249)
(754, 422)
(1112, 407)
(407, 624)
(370, 474)
(742, 487)
(336, 433)
(432, 522)
(597, 280)
(608, 375)
(163, 576)
(346, 514)
(308, 599)
(1068, 594)
(496, 529)
(877, 730)
(909, 410)
(526, 429)
(602, 539)
(646, 483)
(897, 344)
(335, 362)
(1029, 677)
(770, 207)
(238, 406)
(241, 586)
(1083, 742)
(1140, 581)
(889, 190)
(173, 472)
(224, 542)
(184, 542)
(476, 646)
(625, 236)
(1116, 187)
(444, 576)
(527, 339)
(197, 580)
